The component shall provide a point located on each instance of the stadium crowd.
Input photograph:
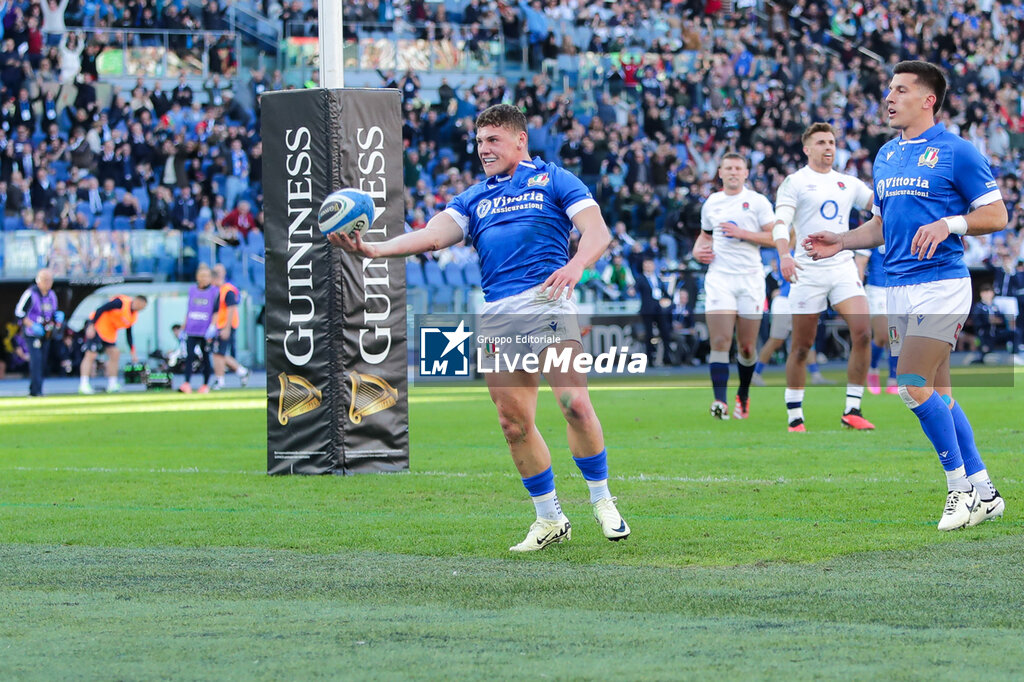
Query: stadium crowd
(644, 127)
(639, 99)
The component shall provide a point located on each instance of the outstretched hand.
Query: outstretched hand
(822, 245)
(352, 245)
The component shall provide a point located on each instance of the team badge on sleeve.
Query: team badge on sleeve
(929, 158)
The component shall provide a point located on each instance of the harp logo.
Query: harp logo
(370, 394)
(298, 396)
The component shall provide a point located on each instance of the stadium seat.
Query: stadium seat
(256, 242)
(454, 274)
(122, 222)
(414, 275)
(472, 275)
(13, 222)
(257, 277)
(228, 256)
(442, 296)
(142, 194)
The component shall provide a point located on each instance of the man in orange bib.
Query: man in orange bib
(120, 312)
(226, 319)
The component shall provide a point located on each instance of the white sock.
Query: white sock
(983, 483)
(854, 393)
(957, 480)
(84, 381)
(794, 395)
(241, 371)
(111, 381)
(598, 490)
(547, 506)
(220, 380)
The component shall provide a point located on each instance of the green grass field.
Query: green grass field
(141, 539)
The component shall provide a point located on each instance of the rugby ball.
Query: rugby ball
(346, 211)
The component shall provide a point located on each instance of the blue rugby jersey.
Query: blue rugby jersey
(918, 182)
(520, 224)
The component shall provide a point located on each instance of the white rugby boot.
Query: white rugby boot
(607, 516)
(959, 507)
(544, 532)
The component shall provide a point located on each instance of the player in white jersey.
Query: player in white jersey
(818, 198)
(735, 223)
(519, 220)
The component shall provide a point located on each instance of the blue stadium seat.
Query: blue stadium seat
(228, 256)
(257, 277)
(122, 222)
(142, 194)
(454, 274)
(442, 296)
(13, 222)
(472, 275)
(139, 224)
(256, 242)
(414, 275)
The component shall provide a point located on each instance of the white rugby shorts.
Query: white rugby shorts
(782, 321)
(876, 299)
(527, 323)
(935, 310)
(743, 294)
(817, 286)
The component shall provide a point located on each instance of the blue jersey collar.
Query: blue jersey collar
(927, 135)
(534, 165)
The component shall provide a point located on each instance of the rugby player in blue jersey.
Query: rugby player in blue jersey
(931, 187)
(519, 220)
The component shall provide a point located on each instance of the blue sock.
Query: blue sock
(595, 472)
(965, 438)
(758, 368)
(893, 361)
(595, 467)
(540, 484)
(876, 355)
(812, 367)
(937, 423)
(719, 379)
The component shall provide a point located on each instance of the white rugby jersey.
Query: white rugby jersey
(823, 202)
(749, 210)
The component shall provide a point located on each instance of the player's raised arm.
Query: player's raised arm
(826, 244)
(441, 232)
(594, 240)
